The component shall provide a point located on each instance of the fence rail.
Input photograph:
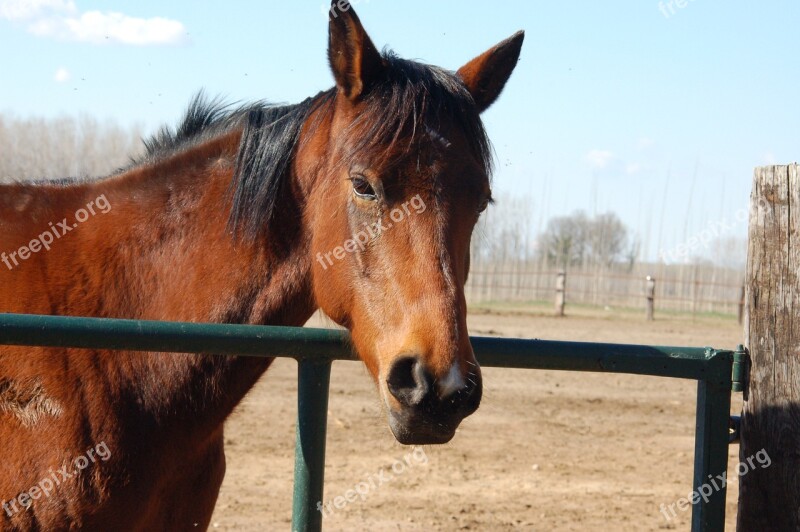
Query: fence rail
(685, 289)
(315, 350)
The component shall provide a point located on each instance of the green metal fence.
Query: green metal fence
(718, 373)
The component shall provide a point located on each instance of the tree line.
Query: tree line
(580, 240)
(575, 240)
(39, 148)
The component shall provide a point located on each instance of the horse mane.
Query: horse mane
(270, 134)
(203, 116)
(412, 100)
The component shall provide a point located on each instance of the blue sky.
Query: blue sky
(652, 110)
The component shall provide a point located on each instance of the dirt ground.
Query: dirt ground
(546, 450)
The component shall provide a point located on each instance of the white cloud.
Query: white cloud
(61, 75)
(645, 142)
(61, 19)
(96, 28)
(599, 158)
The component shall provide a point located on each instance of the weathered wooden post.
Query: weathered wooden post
(561, 295)
(741, 306)
(769, 496)
(650, 294)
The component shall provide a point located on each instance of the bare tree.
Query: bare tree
(564, 241)
(577, 240)
(608, 239)
(37, 148)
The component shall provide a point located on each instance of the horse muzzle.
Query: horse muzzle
(427, 410)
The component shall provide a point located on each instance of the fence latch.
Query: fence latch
(741, 370)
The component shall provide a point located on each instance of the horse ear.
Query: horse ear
(355, 62)
(486, 75)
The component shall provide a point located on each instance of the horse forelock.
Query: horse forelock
(413, 104)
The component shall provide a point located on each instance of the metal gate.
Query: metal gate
(717, 373)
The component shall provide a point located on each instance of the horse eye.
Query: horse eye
(363, 189)
(483, 205)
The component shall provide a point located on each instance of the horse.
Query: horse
(359, 201)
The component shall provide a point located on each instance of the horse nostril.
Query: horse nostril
(408, 381)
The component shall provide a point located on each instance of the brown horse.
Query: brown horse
(360, 201)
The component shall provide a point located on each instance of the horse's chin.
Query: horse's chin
(411, 430)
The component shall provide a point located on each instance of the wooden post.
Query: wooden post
(561, 295)
(650, 294)
(769, 493)
(741, 306)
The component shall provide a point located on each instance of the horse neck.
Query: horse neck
(223, 279)
(164, 250)
(166, 254)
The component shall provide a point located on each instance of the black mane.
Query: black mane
(412, 98)
(202, 118)
(269, 138)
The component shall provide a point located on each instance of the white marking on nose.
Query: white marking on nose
(452, 382)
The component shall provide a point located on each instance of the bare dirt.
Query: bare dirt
(546, 450)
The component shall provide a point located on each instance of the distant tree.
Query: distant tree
(632, 253)
(577, 240)
(36, 148)
(565, 240)
(608, 239)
